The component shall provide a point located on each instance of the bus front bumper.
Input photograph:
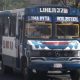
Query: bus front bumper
(46, 65)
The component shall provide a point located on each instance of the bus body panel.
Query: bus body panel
(9, 51)
(9, 46)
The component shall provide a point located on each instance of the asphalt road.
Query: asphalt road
(17, 76)
(10, 76)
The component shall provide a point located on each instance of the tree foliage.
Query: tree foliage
(13, 4)
(1, 5)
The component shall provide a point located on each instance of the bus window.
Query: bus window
(12, 30)
(6, 25)
(9, 25)
(67, 30)
(38, 30)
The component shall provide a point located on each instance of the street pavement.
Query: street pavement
(18, 76)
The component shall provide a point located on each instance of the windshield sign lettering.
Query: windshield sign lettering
(72, 19)
(39, 18)
(53, 10)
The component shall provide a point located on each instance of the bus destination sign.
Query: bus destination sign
(39, 18)
(54, 10)
(68, 19)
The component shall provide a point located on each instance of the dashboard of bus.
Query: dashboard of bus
(43, 30)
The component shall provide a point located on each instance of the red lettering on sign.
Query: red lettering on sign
(7, 44)
(11, 45)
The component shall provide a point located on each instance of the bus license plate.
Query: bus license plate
(57, 65)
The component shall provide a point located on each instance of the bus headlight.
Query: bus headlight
(78, 53)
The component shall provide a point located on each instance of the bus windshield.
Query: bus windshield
(69, 30)
(38, 30)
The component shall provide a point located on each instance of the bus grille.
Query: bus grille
(58, 53)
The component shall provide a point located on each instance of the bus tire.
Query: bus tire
(23, 66)
(26, 72)
(75, 74)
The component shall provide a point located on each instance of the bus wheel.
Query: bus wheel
(75, 74)
(24, 67)
(26, 72)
